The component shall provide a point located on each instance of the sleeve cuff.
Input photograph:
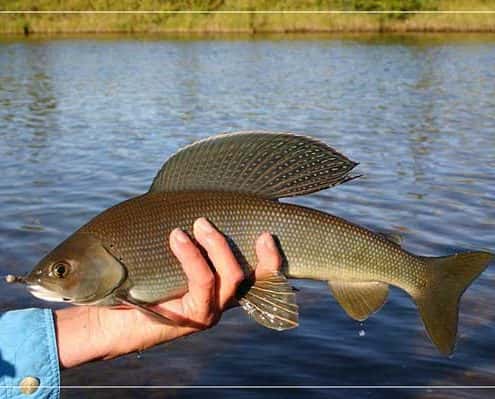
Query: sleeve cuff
(29, 366)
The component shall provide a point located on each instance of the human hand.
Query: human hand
(89, 333)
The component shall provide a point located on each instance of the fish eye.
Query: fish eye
(60, 269)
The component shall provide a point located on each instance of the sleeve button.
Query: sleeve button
(29, 385)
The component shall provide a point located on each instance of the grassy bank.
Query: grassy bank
(249, 22)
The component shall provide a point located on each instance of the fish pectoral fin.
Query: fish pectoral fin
(359, 298)
(267, 164)
(125, 300)
(271, 302)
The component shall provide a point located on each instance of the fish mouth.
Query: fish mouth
(45, 294)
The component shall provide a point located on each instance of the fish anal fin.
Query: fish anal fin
(267, 164)
(359, 298)
(271, 302)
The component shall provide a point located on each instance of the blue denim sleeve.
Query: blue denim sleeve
(29, 365)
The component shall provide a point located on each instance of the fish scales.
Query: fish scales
(316, 245)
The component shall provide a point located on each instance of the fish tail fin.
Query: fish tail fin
(271, 302)
(438, 302)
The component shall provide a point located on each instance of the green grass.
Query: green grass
(250, 22)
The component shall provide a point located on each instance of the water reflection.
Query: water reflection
(28, 102)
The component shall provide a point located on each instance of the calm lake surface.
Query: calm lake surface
(86, 122)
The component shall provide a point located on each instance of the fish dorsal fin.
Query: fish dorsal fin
(270, 165)
(359, 298)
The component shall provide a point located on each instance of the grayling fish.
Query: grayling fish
(235, 180)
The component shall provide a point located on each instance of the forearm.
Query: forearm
(88, 333)
(79, 338)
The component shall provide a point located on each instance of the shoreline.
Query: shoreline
(249, 35)
(245, 32)
(379, 37)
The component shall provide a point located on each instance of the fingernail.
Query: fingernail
(180, 236)
(267, 241)
(205, 226)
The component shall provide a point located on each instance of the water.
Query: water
(85, 123)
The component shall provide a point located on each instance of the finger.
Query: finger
(230, 274)
(201, 279)
(269, 258)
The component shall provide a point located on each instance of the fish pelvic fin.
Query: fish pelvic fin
(271, 302)
(438, 302)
